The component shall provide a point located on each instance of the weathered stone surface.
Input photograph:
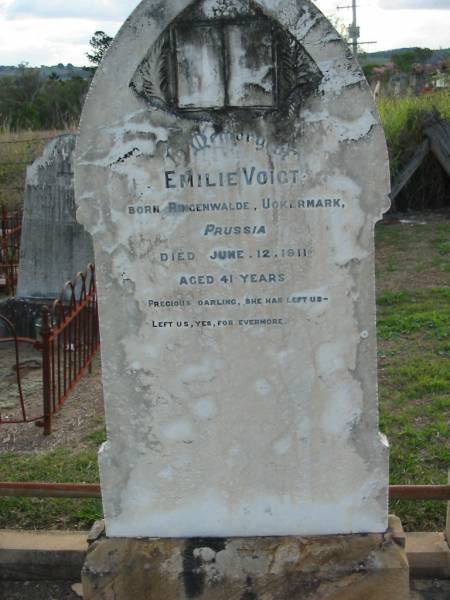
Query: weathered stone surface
(353, 567)
(235, 261)
(54, 247)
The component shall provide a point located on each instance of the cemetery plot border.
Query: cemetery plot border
(69, 344)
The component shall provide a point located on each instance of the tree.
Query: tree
(99, 42)
(423, 54)
(29, 102)
(404, 61)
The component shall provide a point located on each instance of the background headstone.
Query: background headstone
(54, 247)
(232, 190)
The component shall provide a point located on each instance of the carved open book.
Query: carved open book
(226, 55)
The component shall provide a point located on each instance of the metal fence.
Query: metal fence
(10, 231)
(69, 343)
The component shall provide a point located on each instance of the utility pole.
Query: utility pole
(354, 31)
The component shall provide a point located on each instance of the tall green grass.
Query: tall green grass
(404, 119)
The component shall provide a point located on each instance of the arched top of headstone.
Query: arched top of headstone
(274, 69)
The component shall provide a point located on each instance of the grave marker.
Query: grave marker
(54, 247)
(231, 168)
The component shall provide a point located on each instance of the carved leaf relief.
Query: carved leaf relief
(155, 70)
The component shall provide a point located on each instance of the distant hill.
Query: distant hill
(382, 57)
(69, 71)
(61, 71)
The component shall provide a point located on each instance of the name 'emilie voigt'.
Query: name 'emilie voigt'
(247, 176)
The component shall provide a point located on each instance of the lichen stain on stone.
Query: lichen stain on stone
(193, 574)
(249, 594)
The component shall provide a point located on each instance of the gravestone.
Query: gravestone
(54, 247)
(231, 167)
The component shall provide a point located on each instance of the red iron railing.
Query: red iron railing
(11, 337)
(38, 489)
(10, 231)
(70, 341)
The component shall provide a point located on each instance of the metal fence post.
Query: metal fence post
(46, 371)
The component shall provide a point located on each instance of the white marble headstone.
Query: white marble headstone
(231, 167)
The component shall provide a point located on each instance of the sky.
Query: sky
(48, 32)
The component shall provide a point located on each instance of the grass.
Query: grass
(58, 466)
(414, 361)
(402, 314)
(413, 256)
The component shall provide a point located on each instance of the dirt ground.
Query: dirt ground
(406, 251)
(81, 414)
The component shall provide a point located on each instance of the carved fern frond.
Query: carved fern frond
(154, 70)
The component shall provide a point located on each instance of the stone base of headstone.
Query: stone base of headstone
(334, 567)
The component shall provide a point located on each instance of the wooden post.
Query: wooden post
(46, 371)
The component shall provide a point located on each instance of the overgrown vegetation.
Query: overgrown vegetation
(405, 118)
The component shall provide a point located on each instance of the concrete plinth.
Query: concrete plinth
(337, 567)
